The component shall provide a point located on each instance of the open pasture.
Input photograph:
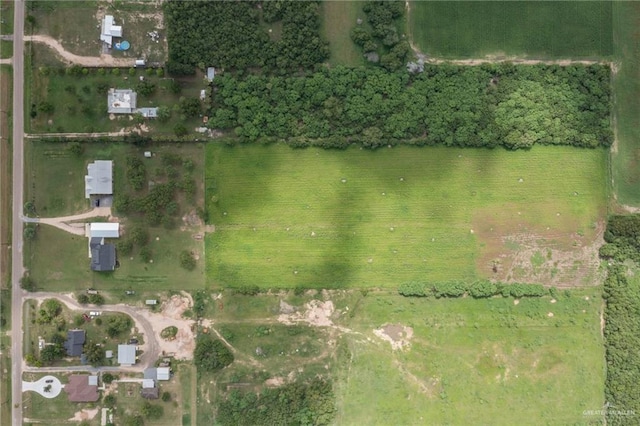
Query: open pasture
(338, 18)
(468, 361)
(536, 29)
(315, 218)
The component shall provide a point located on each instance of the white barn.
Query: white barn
(104, 230)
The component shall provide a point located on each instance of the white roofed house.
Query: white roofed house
(109, 30)
(99, 178)
(125, 101)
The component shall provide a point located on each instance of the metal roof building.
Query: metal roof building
(109, 30)
(126, 355)
(99, 178)
(121, 101)
(104, 230)
(74, 343)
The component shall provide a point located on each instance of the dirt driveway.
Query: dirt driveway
(87, 61)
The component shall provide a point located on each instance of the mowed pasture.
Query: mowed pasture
(315, 218)
(338, 18)
(536, 29)
(468, 361)
(625, 158)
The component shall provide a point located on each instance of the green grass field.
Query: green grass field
(626, 88)
(473, 362)
(537, 29)
(338, 219)
(338, 18)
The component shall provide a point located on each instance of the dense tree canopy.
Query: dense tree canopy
(293, 404)
(211, 354)
(481, 106)
(232, 35)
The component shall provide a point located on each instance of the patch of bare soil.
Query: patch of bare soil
(398, 335)
(84, 414)
(560, 260)
(317, 313)
(192, 219)
(275, 382)
(183, 345)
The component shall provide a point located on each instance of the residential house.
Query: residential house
(126, 355)
(82, 388)
(103, 255)
(109, 30)
(75, 342)
(150, 393)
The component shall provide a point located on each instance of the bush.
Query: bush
(169, 333)
(96, 299)
(29, 231)
(481, 289)
(166, 396)
(83, 299)
(108, 378)
(110, 400)
(211, 355)
(152, 411)
(187, 260)
(27, 283)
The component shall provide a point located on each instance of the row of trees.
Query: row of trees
(234, 36)
(622, 328)
(477, 290)
(483, 106)
(310, 403)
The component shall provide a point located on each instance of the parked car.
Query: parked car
(95, 313)
(133, 341)
(92, 291)
(49, 381)
(130, 292)
(86, 317)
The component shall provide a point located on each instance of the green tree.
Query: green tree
(211, 354)
(187, 260)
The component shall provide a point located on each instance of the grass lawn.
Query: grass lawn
(6, 49)
(625, 159)
(58, 260)
(6, 17)
(473, 362)
(537, 29)
(129, 402)
(351, 219)
(338, 18)
(6, 78)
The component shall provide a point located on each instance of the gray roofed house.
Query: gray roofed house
(74, 343)
(103, 256)
(126, 355)
(150, 393)
(99, 178)
(121, 101)
(150, 373)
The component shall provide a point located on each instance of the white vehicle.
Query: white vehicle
(95, 313)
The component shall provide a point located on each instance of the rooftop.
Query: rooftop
(74, 343)
(121, 101)
(109, 30)
(126, 354)
(104, 230)
(99, 178)
(80, 389)
(103, 256)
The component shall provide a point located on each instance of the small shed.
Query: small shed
(211, 73)
(147, 154)
(104, 230)
(108, 354)
(151, 302)
(148, 383)
(140, 63)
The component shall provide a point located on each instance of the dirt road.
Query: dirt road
(64, 224)
(87, 61)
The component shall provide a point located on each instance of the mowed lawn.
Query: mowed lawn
(338, 18)
(473, 362)
(357, 218)
(553, 29)
(625, 159)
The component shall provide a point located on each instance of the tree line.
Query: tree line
(622, 327)
(232, 35)
(477, 289)
(482, 106)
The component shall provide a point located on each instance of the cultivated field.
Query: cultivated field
(472, 361)
(536, 29)
(356, 218)
(626, 88)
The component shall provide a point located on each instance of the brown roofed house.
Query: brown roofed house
(82, 388)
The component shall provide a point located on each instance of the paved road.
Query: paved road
(151, 347)
(16, 237)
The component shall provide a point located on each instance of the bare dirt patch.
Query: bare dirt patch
(398, 335)
(84, 414)
(317, 313)
(275, 382)
(183, 345)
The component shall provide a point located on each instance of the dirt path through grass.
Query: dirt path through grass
(88, 61)
(73, 228)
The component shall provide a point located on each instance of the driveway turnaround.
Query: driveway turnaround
(40, 385)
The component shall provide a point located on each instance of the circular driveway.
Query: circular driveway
(38, 386)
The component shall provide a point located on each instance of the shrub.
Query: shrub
(83, 299)
(96, 299)
(481, 289)
(108, 378)
(110, 400)
(412, 289)
(449, 289)
(187, 260)
(27, 283)
(211, 355)
(166, 396)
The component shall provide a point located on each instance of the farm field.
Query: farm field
(472, 361)
(338, 18)
(315, 218)
(625, 158)
(534, 29)
(58, 261)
